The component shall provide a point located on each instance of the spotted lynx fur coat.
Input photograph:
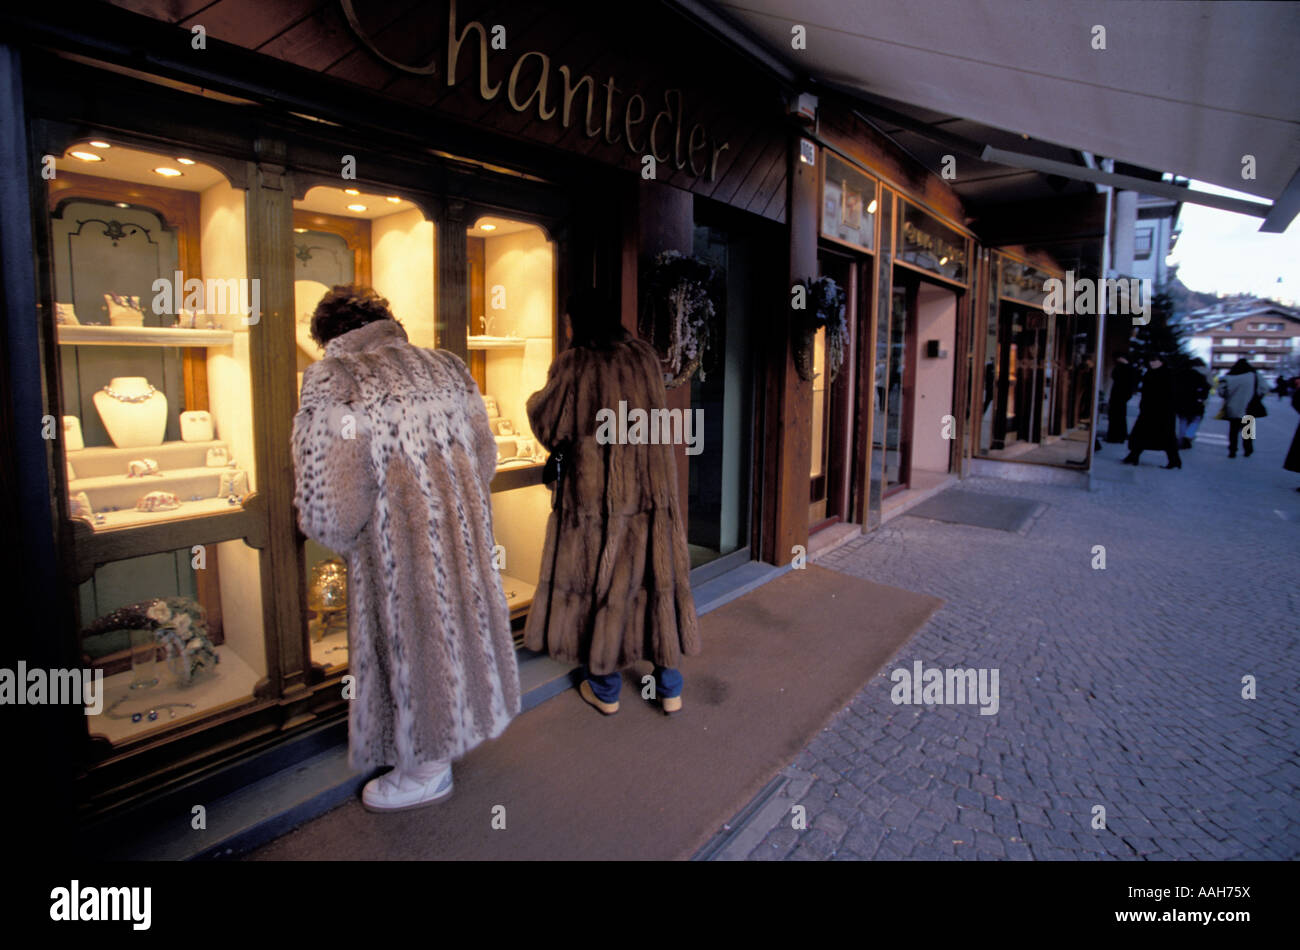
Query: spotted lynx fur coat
(615, 576)
(406, 500)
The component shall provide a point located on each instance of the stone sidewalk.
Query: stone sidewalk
(1119, 687)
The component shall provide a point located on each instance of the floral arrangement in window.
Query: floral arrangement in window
(180, 627)
(825, 309)
(679, 305)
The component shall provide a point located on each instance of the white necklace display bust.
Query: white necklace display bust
(133, 412)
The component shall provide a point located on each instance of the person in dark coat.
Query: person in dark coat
(1292, 462)
(615, 582)
(1193, 390)
(1124, 382)
(1154, 428)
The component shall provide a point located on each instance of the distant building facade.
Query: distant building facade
(1265, 333)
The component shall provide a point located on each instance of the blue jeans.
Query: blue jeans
(668, 683)
(1187, 427)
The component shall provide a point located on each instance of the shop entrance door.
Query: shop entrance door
(832, 473)
(896, 384)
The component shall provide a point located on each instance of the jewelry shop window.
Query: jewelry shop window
(511, 343)
(355, 236)
(152, 308)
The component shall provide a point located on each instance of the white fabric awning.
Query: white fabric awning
(1188, 88)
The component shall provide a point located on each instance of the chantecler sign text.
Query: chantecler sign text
(531, 84)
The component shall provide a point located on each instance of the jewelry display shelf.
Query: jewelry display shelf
(523, 594)
(98, 460)
(330, 650)
(130, 518)
(98, 335)
(495, 343)
(233, 680)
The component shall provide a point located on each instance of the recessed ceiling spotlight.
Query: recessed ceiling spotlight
(350, 191)
(299, 230)
(99, 144)
(871, 208)
(394, 199)
(121, 204)
(487, 227)
(185, 161)
(168, 172)
(87, 156)
(942, 261)
(356, 207)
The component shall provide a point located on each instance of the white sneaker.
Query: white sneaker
(399, 791)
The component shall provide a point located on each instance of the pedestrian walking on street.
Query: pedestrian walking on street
(1124, 380)
(1193, 390)
(1154, 428)
(1238, 389)
(615, 576)
(1292, 462)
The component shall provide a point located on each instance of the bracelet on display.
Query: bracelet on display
(151, 715)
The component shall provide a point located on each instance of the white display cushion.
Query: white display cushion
(124, 310)
(158, 501)
(72, 441)
(136, 416)
(65, 315)
(79, 506)
(196, 426)
(104, 460)
(217, 457)
(234, 481)
(506, 446)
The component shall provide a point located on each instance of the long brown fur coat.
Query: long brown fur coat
(619, 589)
(394, 455)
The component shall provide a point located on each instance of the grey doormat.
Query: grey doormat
(1000, 512)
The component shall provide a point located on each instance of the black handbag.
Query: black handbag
(1256, 406)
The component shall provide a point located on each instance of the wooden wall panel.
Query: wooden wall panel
(739, 109)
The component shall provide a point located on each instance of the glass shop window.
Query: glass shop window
(367, 237)
(176, 635)
(153, 308)
(511, 343)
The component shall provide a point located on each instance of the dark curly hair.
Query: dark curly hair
(347, 307)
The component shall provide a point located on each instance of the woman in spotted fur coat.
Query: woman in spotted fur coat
(394, 455)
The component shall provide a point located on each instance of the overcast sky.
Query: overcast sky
(1224, 253)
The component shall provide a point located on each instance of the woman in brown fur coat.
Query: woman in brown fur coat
(615, 577)
(394, 454)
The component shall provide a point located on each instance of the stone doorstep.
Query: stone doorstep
(832, 537)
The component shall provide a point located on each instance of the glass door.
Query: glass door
(831, 470)
(718, 493)
(899, 383)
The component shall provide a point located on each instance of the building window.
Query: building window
(1142, 244)
(1229, 341)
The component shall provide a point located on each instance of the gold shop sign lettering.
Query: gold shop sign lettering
(531, 84)
(1022, 282)
(925, 243)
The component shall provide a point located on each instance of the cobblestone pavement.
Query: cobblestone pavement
(1119, 687)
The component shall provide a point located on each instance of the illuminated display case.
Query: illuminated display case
(511, 343)
(152, 316)
(355, 235)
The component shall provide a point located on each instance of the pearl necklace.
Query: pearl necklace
(143, 397)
